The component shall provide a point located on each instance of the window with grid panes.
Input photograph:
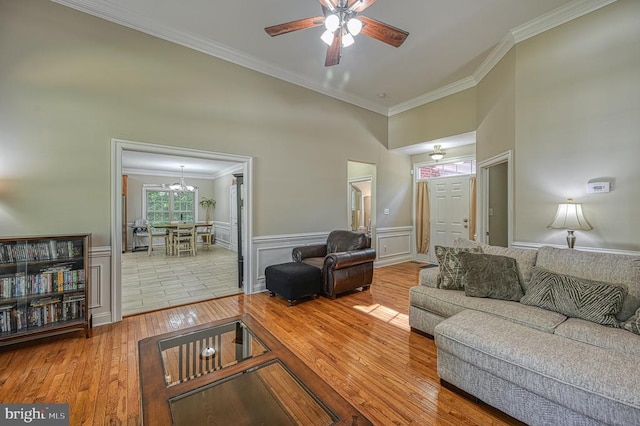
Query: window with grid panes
(162, 206)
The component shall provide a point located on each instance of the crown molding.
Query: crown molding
(557, 17)
(550, 20)
(128, 18)
(122, 16)
(494, 57)
(450, 89)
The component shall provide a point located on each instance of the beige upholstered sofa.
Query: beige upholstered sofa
(535, 364)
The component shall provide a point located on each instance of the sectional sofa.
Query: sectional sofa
(540, 361)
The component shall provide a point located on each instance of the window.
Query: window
(466, 167)
(162, 206)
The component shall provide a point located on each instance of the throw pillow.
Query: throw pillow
(490, 275)
(633, 323)
(451, 275)
(594, 301)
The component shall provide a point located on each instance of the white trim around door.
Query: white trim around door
(120, 145)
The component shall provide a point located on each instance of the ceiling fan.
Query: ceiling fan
(343, 21)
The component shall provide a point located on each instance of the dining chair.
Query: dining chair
(206, 235)
(184, 239)
(154, 232)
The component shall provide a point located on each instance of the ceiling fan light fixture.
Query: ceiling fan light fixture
(347, 39)
(332, 22)
(354, 26)
(327, 37)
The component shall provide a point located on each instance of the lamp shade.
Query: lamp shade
(569, 216)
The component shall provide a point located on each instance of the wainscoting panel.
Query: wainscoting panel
(100, 290)
(275, 249)
(394, 245)
(222, 234)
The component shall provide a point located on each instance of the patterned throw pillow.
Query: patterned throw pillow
(633, 323)
(451, 275)
(490, 275)
(594, 301)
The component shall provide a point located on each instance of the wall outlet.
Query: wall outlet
(386, 211)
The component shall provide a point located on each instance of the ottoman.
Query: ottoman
(293, 281)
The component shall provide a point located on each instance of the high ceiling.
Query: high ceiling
(449, 40)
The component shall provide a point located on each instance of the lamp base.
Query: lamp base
(571, 239)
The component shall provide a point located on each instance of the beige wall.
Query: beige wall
(578, 119)
(496, 131)
(567, 103)
(222, 194)
(70, 82)
(449, 116)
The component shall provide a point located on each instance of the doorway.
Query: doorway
(361, 203)
(495, 200)
(118, 146)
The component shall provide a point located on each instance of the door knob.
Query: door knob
(465, 220)
(466, 226)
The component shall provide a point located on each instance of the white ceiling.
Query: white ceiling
(152, 164)
(451, 43)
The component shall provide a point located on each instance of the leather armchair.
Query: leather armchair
(346, 261)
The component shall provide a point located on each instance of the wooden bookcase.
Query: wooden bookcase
(44, 286)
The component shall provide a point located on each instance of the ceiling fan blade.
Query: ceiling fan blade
(383, 32)
(360, 5)
(333, 52)
(329, 4)
(300, 24)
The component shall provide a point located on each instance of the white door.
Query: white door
(449, 200)
(233, 203)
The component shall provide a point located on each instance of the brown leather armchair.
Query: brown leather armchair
(346, 261)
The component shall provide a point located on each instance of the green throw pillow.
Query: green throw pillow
(492, 276)
(451, 275)
(633, 323)
(589, 300)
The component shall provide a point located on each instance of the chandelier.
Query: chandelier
(343, 18)
(181, 186)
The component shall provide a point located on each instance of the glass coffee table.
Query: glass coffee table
(233, 372)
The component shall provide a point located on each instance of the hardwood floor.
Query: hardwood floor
(360, 344)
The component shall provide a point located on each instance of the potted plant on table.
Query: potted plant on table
(209, 204)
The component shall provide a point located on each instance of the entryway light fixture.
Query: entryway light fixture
(181, 186)
(569, 216)
(437, 154)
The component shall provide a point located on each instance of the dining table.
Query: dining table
(171, 227)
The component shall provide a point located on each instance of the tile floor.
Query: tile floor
(159, 281)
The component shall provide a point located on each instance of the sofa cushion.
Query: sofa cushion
(597, 335)
(587, 379)
(574, 297)
(526, 258)
(611, 268)
(492, 276)
(446, 303)
(451, 276)
(633, 323)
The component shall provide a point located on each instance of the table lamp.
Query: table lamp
(569, 216)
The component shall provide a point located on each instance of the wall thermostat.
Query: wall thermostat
(598, 187)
